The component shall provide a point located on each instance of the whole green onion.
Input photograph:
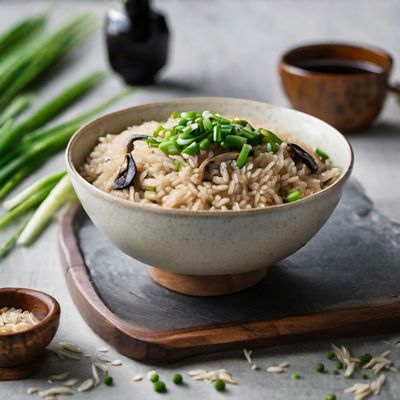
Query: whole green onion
(50, 180)
(35, 199)
(61, 194)
(27, 65)
(10, 243)
(17, 106)
(49, 110)
(21, 31)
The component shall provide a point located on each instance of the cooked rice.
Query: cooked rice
(264, 181)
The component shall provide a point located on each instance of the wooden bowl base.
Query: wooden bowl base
(21, 371)
(206, 285)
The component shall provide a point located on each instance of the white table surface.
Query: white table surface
(220, 48)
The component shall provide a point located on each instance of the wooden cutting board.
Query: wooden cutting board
(346, 281)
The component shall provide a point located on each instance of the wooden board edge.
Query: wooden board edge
(147, 345)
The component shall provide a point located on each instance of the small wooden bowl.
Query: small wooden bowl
(346, 101)
(21, 352)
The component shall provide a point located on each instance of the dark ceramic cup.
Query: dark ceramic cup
(346, 100)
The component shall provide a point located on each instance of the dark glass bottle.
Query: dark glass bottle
(137, 41)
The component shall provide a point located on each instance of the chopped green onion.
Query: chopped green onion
(177, 379)
(159, 387)
(204, 144)
(294, 195)
(188, 115)
(243, 155)
(319, 367)
(217, 137)
(224, 145)
(179, 165)
(152, 142)
(183, 121)
(207, 125)
(221, 119)
(269, 136)
(170, 148)
(219, 385)
(154, 378)
(175, 115)
(235, 142)
(108, 380)
(330, 355)
(191, 149)
(321, 154)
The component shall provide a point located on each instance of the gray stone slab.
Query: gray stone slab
(354, 259)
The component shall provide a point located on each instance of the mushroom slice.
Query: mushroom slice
(300, 155)
(126, 173)
(212, 163)
(131, 144)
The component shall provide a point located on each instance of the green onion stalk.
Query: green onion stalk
(32, 61)
(59, 195)
(49, 110)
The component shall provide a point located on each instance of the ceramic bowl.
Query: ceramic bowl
(20, 349)
(210, 242)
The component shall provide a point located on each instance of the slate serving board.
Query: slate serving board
(345, 281)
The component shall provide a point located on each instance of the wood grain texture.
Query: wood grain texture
(209, 285)
(21, 353)
(348, 102)
(162, 341)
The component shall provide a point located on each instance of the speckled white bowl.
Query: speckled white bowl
(204, 242)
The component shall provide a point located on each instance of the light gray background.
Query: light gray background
(221, 48)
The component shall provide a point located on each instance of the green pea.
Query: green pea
(330, 397)
(336, 372)
(219, 385)
(294, 195)
(177, 379)
(365, 358)
(159, 387)
(154, 378)
(296, 376)
(319, 367)
(330, 355)
(339, 365)
(364, 376)
(108, 380)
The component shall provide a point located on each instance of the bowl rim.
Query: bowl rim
(50, 301)
(293, 69)
(201, 213)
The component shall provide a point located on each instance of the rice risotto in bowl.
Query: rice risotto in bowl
(194, 192)
(204, 161)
